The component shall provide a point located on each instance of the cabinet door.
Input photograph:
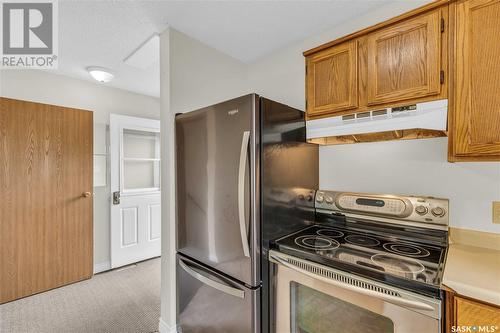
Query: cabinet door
(476, 124)
(470, 313)
(332, 83)
(404, 60)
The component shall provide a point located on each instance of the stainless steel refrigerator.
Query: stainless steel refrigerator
(244, 177)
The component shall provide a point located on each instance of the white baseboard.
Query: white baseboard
(163, 327)
(102, 266)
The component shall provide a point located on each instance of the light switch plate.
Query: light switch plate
(496, 212)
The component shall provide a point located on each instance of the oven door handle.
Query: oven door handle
(392, 299)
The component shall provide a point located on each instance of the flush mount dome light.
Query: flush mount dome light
(100, 74)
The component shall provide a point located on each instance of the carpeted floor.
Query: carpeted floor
(121, 301)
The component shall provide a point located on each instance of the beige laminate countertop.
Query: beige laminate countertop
(473, 272)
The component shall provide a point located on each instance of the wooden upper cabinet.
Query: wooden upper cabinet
(476, 119)
(404, 60)
(447, 49)
(332, 82)
(391, 64)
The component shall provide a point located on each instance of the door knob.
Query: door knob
(86, 194)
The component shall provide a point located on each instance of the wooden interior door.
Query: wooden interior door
(46, 197)
(404, 60)
(477, 110)
(332, 79)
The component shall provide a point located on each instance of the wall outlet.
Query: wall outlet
(496, 212)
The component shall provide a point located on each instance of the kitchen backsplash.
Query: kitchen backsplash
(415, 167)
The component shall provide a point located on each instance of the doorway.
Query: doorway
(135, 189)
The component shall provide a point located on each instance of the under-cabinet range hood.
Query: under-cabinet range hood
(421, 116)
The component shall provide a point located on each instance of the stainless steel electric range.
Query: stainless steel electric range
(368, 263)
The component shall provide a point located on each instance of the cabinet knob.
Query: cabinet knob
(86, 194)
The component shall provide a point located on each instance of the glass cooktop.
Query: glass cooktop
(411, 265)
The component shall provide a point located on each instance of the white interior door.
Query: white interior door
(135, 189)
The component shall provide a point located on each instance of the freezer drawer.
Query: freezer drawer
(209, 302)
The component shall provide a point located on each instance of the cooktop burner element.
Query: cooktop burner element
(408, 250)
(396, 264)
(362, 240)
(332, 233)
(373, 254)
(317, 243)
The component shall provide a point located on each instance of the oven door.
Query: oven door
(311, 298)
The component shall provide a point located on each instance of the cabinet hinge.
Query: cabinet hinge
(442, 24)
(306, 69)
(441, 77)
(306, 104)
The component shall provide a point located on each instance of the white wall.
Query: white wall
(406, 167)
(416, 167)
(45, 87)
(193, 75)
(201, 76)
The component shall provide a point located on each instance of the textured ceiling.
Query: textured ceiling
(103, 33)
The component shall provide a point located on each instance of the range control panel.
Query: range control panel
(394, 207)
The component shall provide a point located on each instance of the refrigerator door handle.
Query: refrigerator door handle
(225, 288)
(241, 192)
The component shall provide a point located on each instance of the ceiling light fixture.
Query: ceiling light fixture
(100, 74)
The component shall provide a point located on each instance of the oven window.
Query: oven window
(315, 312)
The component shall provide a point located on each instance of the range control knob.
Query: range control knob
(329, 200)
(421, 210)
(320, 198)
(438, 211)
